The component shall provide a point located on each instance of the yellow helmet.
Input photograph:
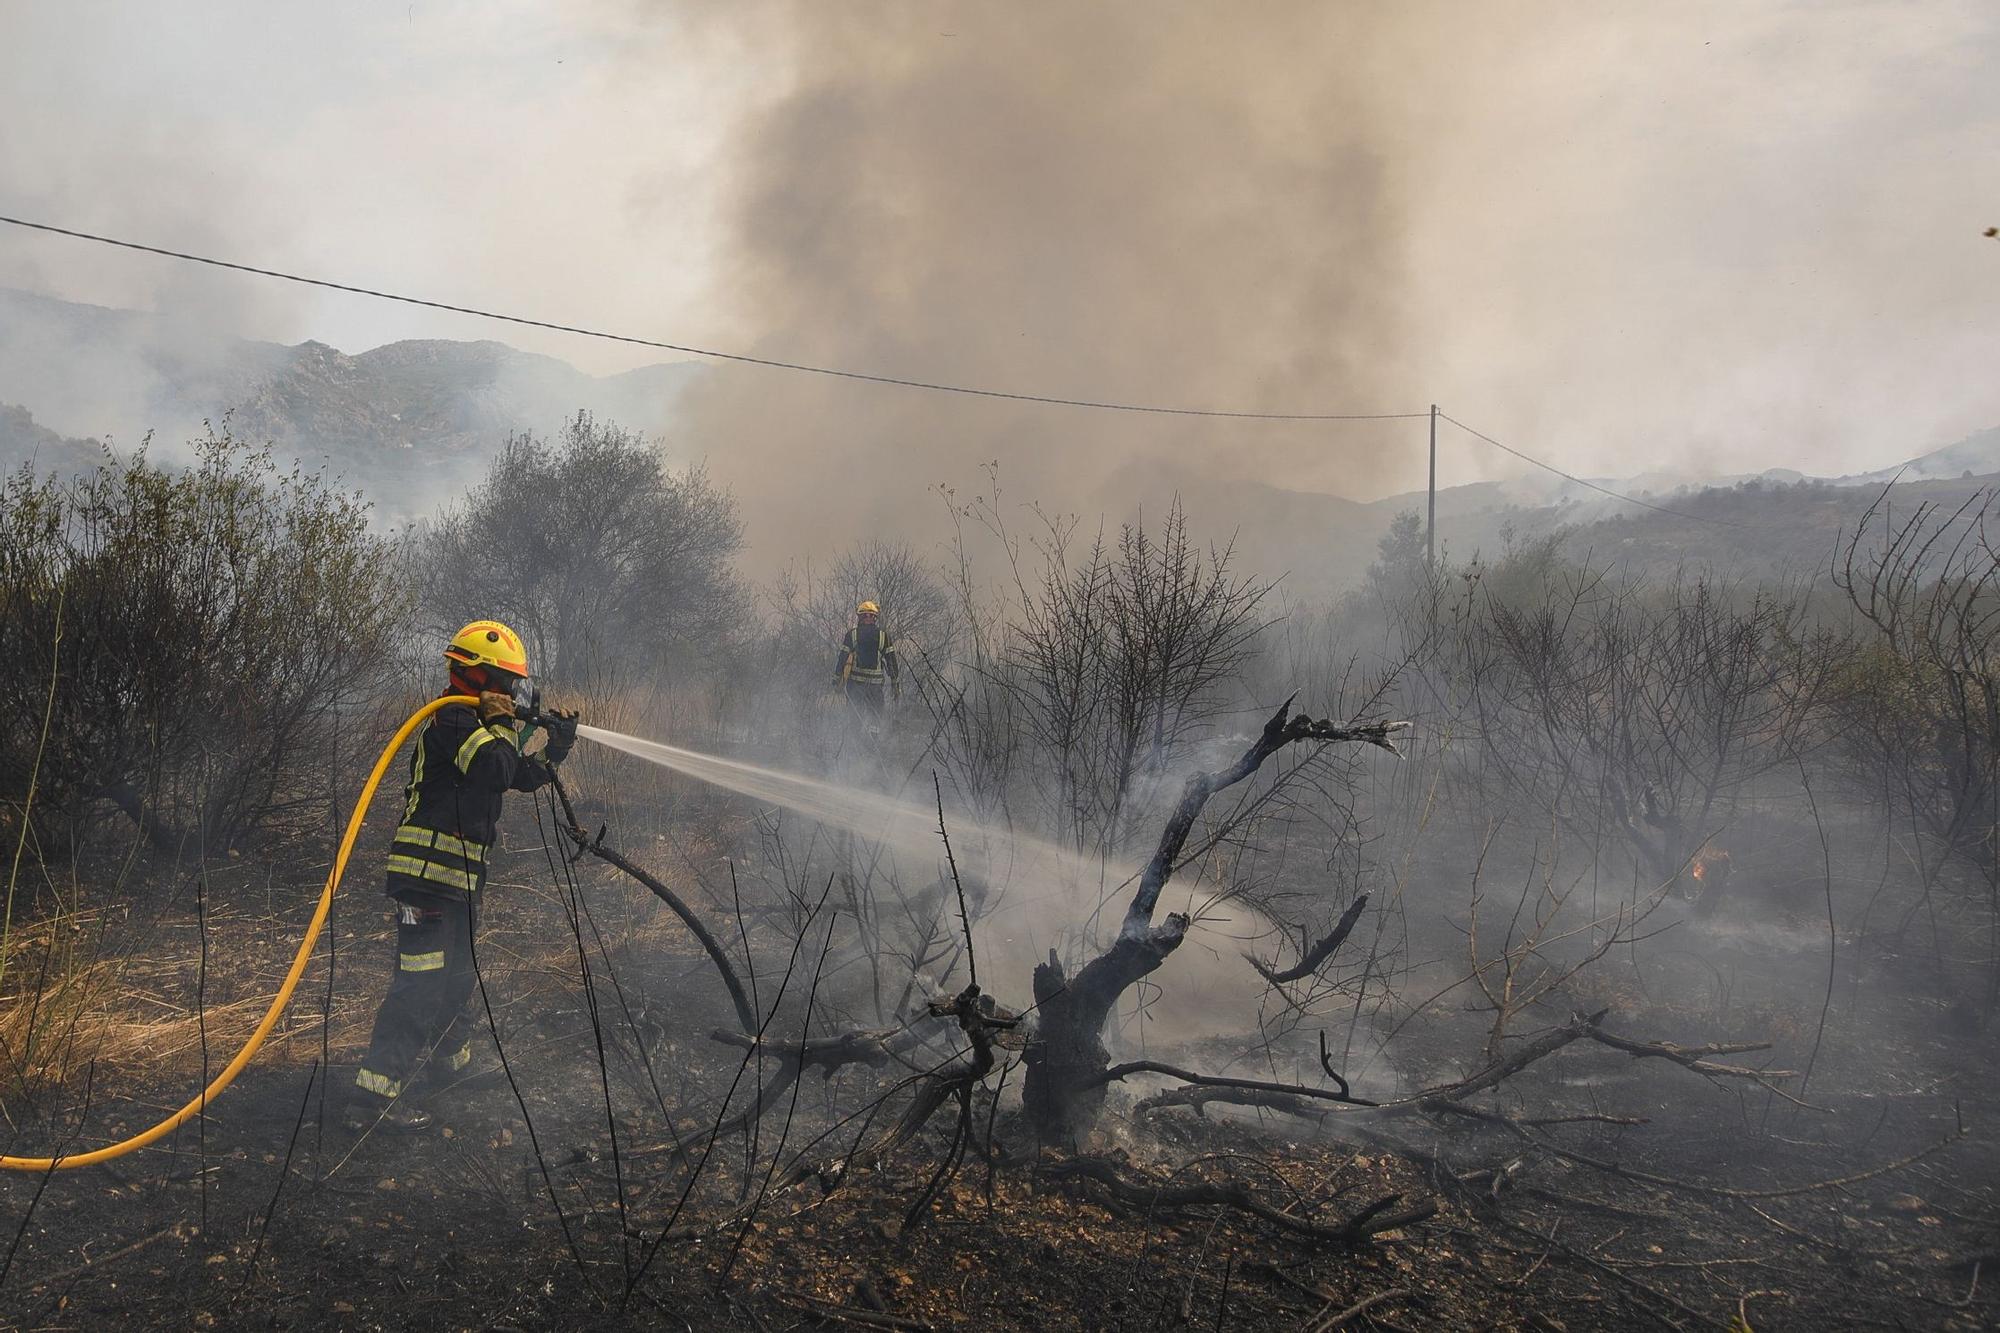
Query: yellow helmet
(489, 643)
(868, 609)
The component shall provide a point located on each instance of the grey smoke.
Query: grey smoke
(1622, 235)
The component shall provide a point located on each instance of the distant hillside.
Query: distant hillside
(1977, 454)
(1321, 544)
(411, 422)
(414, 423)
(24, 440)
(1758, 531)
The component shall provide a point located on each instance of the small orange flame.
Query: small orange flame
(1707, 859)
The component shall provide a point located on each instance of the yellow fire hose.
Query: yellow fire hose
(284, 995)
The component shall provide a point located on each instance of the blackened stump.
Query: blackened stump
(1066, 1059)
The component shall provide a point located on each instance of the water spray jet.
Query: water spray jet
(907, 828)
(1017, 928)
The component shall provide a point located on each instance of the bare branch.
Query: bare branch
(1150, 1195)
(745, 1014)
(1315, 957)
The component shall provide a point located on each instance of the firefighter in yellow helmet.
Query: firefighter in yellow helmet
(867, 667)
(465, 759)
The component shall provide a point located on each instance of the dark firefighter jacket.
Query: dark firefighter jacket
(458, 773)
(872, 653)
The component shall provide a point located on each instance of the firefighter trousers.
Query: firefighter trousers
(867, 694)
(424, 1023)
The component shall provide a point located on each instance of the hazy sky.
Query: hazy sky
(1731, 235)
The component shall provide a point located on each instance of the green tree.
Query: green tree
(610, 564)
(216, 622)
(1401, 555)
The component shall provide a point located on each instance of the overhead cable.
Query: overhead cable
(835, 372)
(708, 352)
(1601, 490)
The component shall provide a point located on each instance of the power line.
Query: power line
(834, 372)
(709, 352)
(1601, 490)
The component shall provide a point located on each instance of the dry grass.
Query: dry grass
(56, 982)
(135, 1014)
(98, 987)
(598, 775)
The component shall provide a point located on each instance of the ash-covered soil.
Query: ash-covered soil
(1872, 1205)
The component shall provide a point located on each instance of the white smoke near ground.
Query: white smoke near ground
(1029, 896)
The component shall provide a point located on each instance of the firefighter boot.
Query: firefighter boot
(466, 1069)
(398, 1115)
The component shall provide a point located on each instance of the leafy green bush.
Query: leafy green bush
(613, 567)
(205, 629)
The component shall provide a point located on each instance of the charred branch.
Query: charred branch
(1131, 1067)
(1693, 1057)
(1197, 1097)
(1326, 1066)
(828, 1054)
(1140, 1194)
(1281, 730)
(964, 918)
(986, 1028)
(1316, 955)
(1066, 1061)
(957, 1077)
(1303, 1100)
(738, 996)
(1318, 1101)
(1272, 1096)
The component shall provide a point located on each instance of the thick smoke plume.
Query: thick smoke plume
(1627, 236)
(1054, 200)
(1615, 236)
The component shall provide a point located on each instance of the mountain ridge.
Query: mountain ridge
(414, 423)
(411, 422)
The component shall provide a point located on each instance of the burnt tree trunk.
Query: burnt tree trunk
(162, 836)
(1066, 1058)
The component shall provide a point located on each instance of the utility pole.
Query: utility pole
(1431, 526)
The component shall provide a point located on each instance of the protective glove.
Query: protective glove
(561, 727)
(495, 707)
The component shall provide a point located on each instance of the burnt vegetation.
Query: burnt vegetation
(1521, 941)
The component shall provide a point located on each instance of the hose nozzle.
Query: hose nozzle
(528, 708)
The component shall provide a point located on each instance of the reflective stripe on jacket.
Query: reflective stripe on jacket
(867, 656)
(459, 771)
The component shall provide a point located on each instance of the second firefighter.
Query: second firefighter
(866, 669)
